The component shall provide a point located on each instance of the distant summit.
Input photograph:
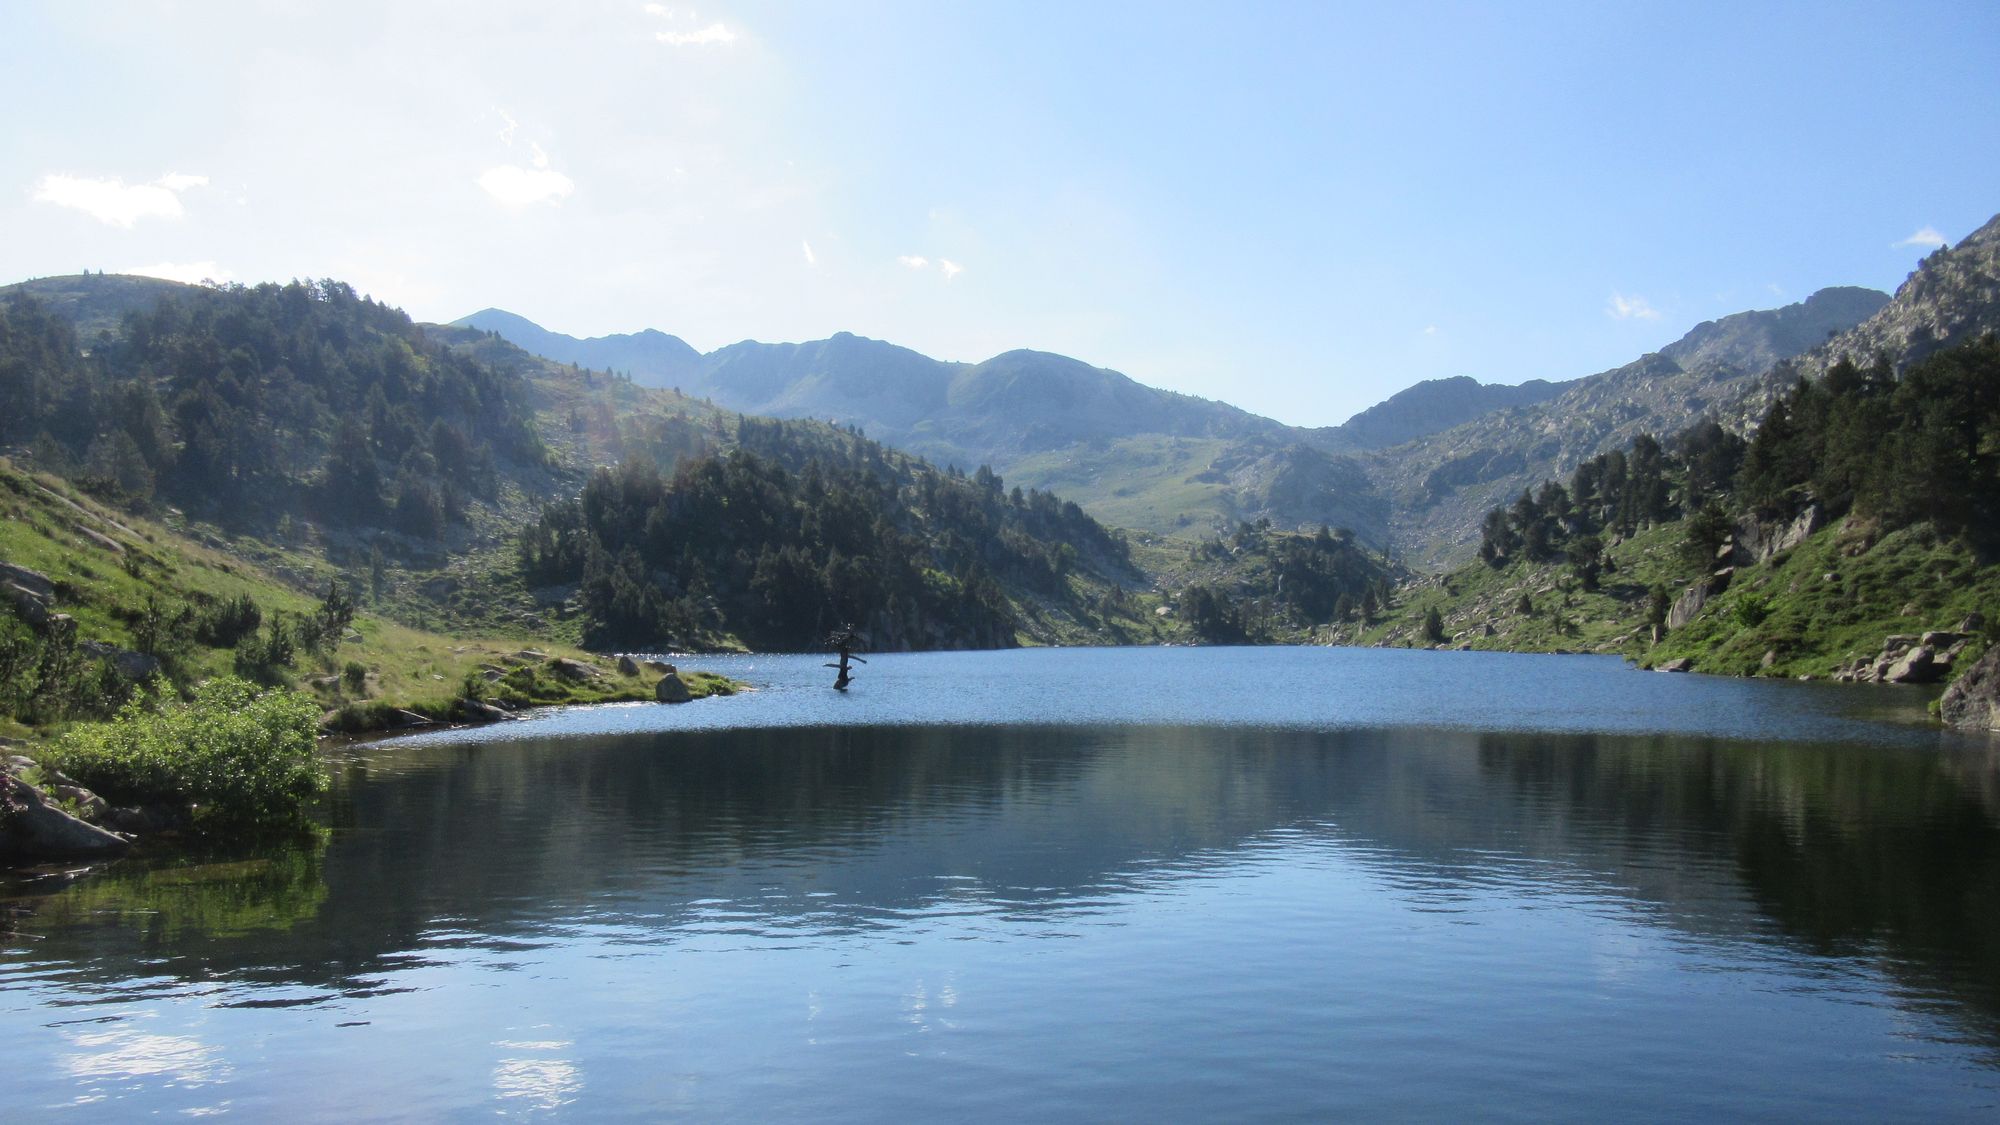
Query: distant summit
(652, 358)
(1438, 404)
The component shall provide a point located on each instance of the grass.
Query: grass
(1788, 608)
(106, 563)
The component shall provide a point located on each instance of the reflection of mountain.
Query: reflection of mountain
(830, 831)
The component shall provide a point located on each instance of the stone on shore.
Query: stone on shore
(1972, 702)
(32, 827)
(672, 689)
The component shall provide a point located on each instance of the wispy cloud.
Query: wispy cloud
(1623, 307)
(950, 268)
(710, 35)
(115, 202)
(1926, 237)
(812, 259)
(714, 35)
(913, 261)
(516, 186)
(191, 272)
(1430, 329)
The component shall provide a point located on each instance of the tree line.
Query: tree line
(799, 529)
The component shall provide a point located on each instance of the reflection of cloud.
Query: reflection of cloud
(134, 1054)
(540, 1083)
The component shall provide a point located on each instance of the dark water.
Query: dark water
(1079, 885)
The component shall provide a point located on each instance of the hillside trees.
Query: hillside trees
(798, 530)
(245, 404)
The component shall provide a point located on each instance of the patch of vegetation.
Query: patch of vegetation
(238, 756)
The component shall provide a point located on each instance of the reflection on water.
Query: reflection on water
(1075, 920)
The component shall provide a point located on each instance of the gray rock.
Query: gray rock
(480, 711)
(627, 666)
(576, 671)
(671, 689)
(1917, 666)
(32, 581)
(1677, 664)
(1697, 595)
(662, 667)
(1972, 702)
(90, 805)
(1757, 541)
(1973, 623)
(1939, 639)
(32, 827)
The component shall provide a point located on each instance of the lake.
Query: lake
(1134, 884)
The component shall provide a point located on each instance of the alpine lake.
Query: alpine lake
(1084, 884)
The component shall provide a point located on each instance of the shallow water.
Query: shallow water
(1181, 884)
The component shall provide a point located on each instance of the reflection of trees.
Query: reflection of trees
(1837, 850)
(1848, 851)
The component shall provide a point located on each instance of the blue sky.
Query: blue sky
(1299, 208)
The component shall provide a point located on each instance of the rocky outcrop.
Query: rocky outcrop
(575, 671)
(1908, 658)
(1697, 595)
(480, 711)
(1973, 702)
(32, 826)
(672, 689)
(1758, 541)
(30, 592)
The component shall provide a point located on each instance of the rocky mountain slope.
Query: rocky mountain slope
(1440, 486)
(1438, 404)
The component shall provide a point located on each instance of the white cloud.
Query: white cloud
(913, 261)
(660, 10)
(1926, 237)
(812, 259)
(951, 269)
(1622, 307)
(714, 34)
(1430, 329)
(116, 202)
(516, 186)
(193, 273)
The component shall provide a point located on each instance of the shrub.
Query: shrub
(239, 756)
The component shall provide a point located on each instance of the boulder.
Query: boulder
(672, 689)
(575, 671)
(33, 581)
(1972, 702)
(662, 667)
(480, 711)
(627, 666)
(1677, 664)
(1757, 541)
(28, 605)
(1917, 666)
(1973, 623)
(32, 827)
(1697, 595)
(1937, 638)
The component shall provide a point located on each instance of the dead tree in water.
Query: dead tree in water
(843, 641)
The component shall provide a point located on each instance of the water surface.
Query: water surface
(1183, 884)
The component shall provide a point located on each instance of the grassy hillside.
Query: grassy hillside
(1810, 611)
(107, 567)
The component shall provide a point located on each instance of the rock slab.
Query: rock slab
(1972, 702)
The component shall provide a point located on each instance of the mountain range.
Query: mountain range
(1412, 474)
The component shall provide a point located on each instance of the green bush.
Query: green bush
(239, 756)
